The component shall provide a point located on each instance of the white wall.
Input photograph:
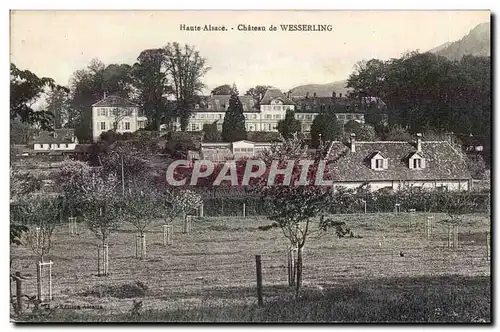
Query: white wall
(109, 121)
(58, 147)
(451, 185)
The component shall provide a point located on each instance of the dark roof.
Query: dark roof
(57, 136)
(275, 94)
(220, 103)
(442, 162)
(114, 101)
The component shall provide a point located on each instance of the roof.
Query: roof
(220, 103)
(443, 161)
(57, 136)
(114, 101)
(273, 93)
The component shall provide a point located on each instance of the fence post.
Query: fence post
(429, 227)
(98, 260)
(39, 280)
(396, 208)
(19, 294)
(38, 237)
(291, 266)
(411, 212)
(201, 210)
(137, 245)
(244, 209)
(455, 236)
(106, 260)
(449, 236)
(143, 246)
(258, 267)
(487, 246)
(50, 280)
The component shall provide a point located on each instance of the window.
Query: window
(193, 127)
(300, 116)
(276, 108)
(349, 117)
(269, 116)
(308, 116)
(341, 116)
(201, 116)
(379, 163)
(127, 125)
(417, 163)
(277, 116)
(254, 116)
(103, 125)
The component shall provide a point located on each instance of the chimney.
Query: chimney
(105, 95)
(419, 142)
(307, 95)
(340, 95)
(353, 142)
(314, 95)
(334, 94)
(289, 93)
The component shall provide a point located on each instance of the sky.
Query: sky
(57, 43)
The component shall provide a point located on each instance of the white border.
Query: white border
(190, 4)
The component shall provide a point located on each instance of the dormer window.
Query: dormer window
(378, 162)
(416, 162)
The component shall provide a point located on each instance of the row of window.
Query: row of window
(126, 126)
(243, 150)
(380, 164)
(114, 112)
(53, 146)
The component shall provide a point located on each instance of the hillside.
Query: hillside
(476, 42)
(321, 90)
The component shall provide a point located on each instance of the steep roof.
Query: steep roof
(57, 136)
(219, 103)
(275, 94)
(114, 101)
(443, 161)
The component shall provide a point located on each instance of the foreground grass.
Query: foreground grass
(423, 299)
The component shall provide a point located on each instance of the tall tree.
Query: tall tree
(258, 92)
(150, 79)
(222, 90)
(288, 126)
(324, 128)
(25, 90)
(186, 68)
(58, 103)
(233, 127)
(363, 132)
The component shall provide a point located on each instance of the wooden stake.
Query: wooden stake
(244, 209)
(143, 246)
(50, 281)
(449, 236)
(201, 210)
(19, 294)
(258, 267)
(39, 280)
(487, 246)
(455, 236)
(106, 260)
(291, 266)
(98, 260)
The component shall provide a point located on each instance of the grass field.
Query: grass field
(209, 274)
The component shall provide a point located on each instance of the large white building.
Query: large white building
(116, 111)
(265, 114)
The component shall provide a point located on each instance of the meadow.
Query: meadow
(388, 271)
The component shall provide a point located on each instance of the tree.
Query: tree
(324, 128)
(142, 207)
(58, 103)
(398, 133)
(181, 202)
(363, 132)
(222, 90)
(233, 127)
(186, 68)
(288, 126)
(43, 212)
(212, 134)
(151, 80)
(101, 205)
(293, 207)
(25, 89)
(258, 92)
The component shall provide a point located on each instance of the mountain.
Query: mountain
(321, 90)
(476, 42)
